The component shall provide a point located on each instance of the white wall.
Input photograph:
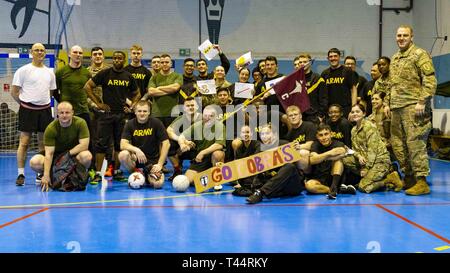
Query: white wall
(266, 27)
(276, 27)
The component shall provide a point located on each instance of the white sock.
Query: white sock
(21, 171)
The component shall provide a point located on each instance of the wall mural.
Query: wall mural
(30, 7)
(214, 12)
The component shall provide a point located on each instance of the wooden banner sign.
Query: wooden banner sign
(245, 167)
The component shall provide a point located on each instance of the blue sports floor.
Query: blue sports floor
(122, 220)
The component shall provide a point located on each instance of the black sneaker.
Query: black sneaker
(343, 188)
(350, 189)
(97, 179)
(38, 178)
(20, 181)
(119, 176)
(256, 197)
(333, 193)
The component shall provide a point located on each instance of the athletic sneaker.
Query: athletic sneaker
(256, 197)
(351, 189)
(347, 189)
(97, 179)
(38, 178)
(218, 187)
(333, 193)
(118, 176)
(92, 173)
(20, 181)
(109, 171)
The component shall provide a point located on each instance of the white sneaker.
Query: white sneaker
(218, 187)
(38, 178)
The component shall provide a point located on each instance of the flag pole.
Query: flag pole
(247, 101)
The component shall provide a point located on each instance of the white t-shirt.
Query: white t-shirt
(35, 83)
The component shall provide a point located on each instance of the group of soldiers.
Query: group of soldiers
(132, 113)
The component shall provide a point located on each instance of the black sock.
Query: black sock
(335, 183)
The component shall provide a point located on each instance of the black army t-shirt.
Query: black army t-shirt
(306, 132)
(146, 136)
(141, 75)
(324, 168)
(117, 86)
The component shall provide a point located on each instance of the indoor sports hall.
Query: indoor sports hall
(111, 217)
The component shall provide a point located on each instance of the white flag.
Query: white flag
(245, 59)
(272, 83)
(208, 50)
(243, 90)
(207, 87)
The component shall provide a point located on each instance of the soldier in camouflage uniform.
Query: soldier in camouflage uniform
(371, 158)
(97, 64)
(382, 83)
(413, 83)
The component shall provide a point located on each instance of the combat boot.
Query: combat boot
(393, 181)
(421, 187)
(408, 181)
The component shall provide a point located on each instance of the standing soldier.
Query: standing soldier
(97, 65)
(140, 73)
(118, 85)
(32, 87)
(413, 83)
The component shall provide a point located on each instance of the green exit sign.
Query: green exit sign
(23, 50)
(185, 52)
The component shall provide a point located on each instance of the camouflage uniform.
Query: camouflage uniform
(381, 85)
(383, 124)
(98, 89)
(384, 128)
(412, 79)
(367, 142)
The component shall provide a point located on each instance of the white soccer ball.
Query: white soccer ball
(180, 183)
(136, 180)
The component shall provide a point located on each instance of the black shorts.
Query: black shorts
(110, 126)
(175, 150)
(201, 166)
(325, 180)
(32, 121)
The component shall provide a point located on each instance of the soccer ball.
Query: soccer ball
(180, 183)
(136, 180)
(156, 180)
